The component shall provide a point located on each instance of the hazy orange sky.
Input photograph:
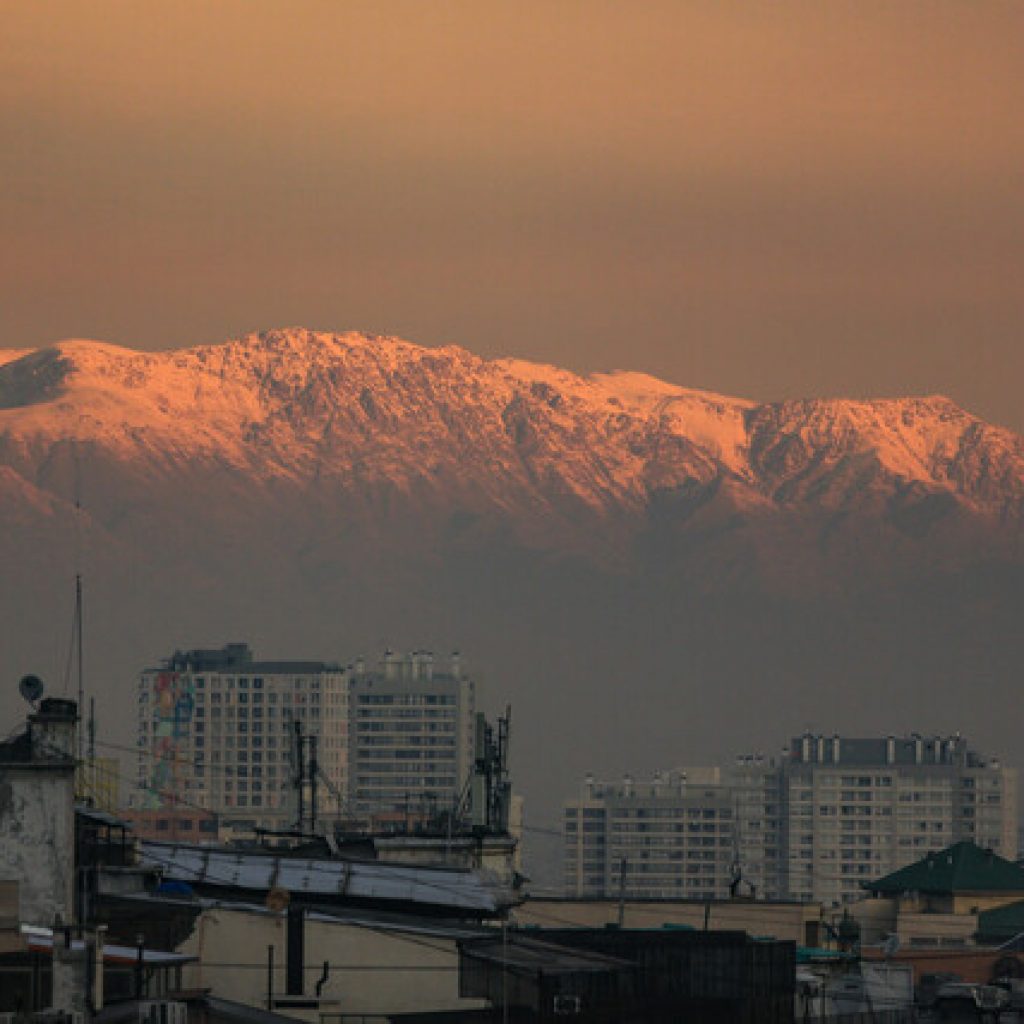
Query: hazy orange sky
(763, 199)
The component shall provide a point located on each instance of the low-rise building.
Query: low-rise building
(173, 824)
(938, 901)
(343, 965)
(37, 813)
(786, 920)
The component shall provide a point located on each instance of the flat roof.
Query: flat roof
(40, 940)
(535, 957)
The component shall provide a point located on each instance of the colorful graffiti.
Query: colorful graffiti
(173, 704)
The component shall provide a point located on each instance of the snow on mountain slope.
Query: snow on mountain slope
(369, 412)
(8, 355)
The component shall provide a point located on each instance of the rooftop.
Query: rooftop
(451, 889)
(960, 868)
(237, 658)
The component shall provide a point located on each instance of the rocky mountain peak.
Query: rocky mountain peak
(524, 437)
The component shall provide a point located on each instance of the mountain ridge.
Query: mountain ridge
(293, 403)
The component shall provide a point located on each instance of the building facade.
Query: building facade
(670, 838)
(410, 737)
(37, 813)
(857, 809)
(831, 815)
(217, 731)
(98, 783)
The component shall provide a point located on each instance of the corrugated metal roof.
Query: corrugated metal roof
(475, 891)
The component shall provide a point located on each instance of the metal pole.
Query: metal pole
(313, 768)
(300, 779)
(504, 971)
(622, 891)
(270, 977)
(140, 945)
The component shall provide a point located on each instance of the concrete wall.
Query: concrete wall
(37, 838)
(970, 965)
(972, 903)
(786, 921)
(936, 929)
(877, 918)
(374, 970)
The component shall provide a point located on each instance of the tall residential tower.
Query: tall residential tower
(216, 729)
(410, 735)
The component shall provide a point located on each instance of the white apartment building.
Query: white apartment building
(756, 784)
(671, 838)
(410, 736)
(834, 813)
(216, 729)
(857, 809)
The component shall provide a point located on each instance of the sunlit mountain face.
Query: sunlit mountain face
(651, 575)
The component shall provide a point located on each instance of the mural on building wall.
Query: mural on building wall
(174, 701)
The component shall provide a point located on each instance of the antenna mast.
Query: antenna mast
(78, 636)
(76, 468)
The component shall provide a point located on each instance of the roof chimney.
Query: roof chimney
(52, 730)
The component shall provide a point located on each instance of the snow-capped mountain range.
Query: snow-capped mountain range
(535, 443)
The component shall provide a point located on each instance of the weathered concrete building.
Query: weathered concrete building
(350, 964)
(37, 813)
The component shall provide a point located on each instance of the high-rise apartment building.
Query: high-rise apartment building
(670, 838)
(835, 812)
(216, 729)
(410, 735)
(857, 809)
(757, 788)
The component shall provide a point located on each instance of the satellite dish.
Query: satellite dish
(31, 688)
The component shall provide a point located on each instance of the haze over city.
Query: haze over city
(360, 277)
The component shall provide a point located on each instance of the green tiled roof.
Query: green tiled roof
(962, 867)
(1001, 923)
